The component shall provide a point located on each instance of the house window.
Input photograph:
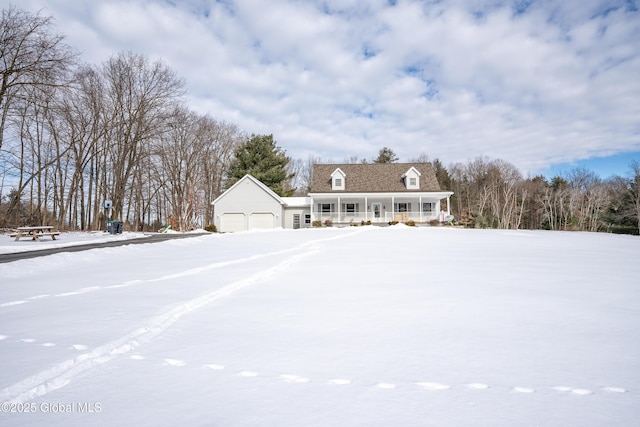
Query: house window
(326, 207)
(403, 207)
(350, 207)
(412, 179)
(307, 218)
(337, 180)
(428, 207)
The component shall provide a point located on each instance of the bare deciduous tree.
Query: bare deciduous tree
(31, 57)
(140, 97)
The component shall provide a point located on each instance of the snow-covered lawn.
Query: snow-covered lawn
(360, 326)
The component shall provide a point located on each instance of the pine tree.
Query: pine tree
(264, 160)
(386, 155)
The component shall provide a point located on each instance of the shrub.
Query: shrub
(328, 223)
(393, 222)
(316, 223)
(434, 222)
(211, 228)
(353, 224)
(410, 223)
(367, 222)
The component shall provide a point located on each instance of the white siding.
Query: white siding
(248, 198)
(291, 211)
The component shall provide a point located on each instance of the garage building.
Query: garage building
(251, 205)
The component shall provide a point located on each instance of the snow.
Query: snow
(355, 326)
(66, 239)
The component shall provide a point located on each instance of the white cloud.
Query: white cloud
(533, 83)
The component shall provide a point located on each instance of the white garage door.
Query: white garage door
(261, 220)
(233, 222)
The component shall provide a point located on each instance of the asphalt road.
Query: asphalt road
(153, 238)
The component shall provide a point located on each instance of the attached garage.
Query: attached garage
(248, 204)
(262, 220)
(230, 222)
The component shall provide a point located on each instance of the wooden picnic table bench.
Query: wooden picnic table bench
(34, 233)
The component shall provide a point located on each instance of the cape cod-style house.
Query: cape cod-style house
(378, 192)
(341, 193)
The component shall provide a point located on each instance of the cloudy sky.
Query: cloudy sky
(542, 84)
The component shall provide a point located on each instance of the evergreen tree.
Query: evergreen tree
(442, 174)
(264, 160)
(386, 155)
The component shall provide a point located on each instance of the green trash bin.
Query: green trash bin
(114, 227)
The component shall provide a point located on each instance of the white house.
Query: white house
(378, 192)
(344, 193)
(249, 204)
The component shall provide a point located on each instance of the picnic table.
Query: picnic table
(34, 233)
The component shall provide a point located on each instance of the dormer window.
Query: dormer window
(412, 179)
(337, 179)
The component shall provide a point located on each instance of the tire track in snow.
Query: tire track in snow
(61, 374)
(185, 273)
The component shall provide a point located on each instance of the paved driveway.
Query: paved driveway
(153, 238)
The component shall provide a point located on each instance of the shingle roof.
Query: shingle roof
(373, 178)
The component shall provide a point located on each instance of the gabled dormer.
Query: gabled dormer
(338, 179)
(412, 179)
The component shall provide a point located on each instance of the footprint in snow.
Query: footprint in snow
(29, 340)
(478, 386)
(48, 344)
(614, 389)
(214, 367)
(386, 386)
(340, 381)
(293, 378)
(79, 347)
(433, 386)
(523, 390)
(248, 374)
(581, 391)
(136, 357)
(561, 388)
(175, 362)
(3, 337)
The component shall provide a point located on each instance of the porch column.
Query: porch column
(366, 210)
(393, 208)
(420, 207)
(311, 213)
(339, 210)
(448, 205)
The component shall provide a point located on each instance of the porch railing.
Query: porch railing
(346, 218)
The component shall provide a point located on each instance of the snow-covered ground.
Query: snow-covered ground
(9, 245)
(359, 326)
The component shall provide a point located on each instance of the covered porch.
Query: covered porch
(379, 208)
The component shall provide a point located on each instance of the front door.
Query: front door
(376, 210)
(296, 221)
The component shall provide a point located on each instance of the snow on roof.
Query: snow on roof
(297, 202)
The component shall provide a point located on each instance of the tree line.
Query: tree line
(73, 135)
(494, 194)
